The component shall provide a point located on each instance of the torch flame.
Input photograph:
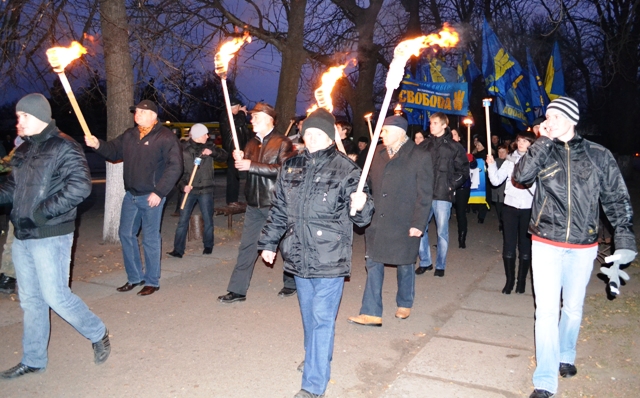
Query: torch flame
(226, 53)
(404, 50)
(60, 57)
(397, 110)
(329, 79)
(368, 116)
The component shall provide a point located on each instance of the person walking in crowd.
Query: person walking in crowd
(262, 158)
(344, 130)
(244, 134)
(401, 181)
(573, 176)
(497, 191)
(152, 158)
(8, 275)
(318, 233)
(516, 214)
(451, 169)
(418, 137)
(461, 197)
(201, 189)
(49, 179)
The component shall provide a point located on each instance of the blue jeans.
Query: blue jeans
(42, 267)
(372, 297)
(442, 210)
(557, 270)
(205, 201)
(319, 300)
(135, 214)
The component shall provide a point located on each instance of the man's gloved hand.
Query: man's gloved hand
(621, 256)
(626, 256)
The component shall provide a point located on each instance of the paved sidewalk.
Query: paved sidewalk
(464, 338)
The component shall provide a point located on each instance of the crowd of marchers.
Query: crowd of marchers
(304, 196)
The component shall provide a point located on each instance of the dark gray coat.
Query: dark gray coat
(402, 190)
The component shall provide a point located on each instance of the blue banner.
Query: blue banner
(449, 98)
(554, 79)
(539, 97)
(478, 195)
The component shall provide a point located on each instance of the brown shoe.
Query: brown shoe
(366, 320)
(129, 286)
(147, 290)
(403, 313)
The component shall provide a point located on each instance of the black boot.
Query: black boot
(523, 269)
(462, 237)
(509, 271)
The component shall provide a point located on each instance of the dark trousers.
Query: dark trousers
(233, 181)
(205, 201)
(460, 204)
(516, 223)
(499, 206)
(254, 220)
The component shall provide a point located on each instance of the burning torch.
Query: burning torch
(468, 121)
(367, 117)
(323, 96)
(403, 51)
(59, 58)
(226, 53)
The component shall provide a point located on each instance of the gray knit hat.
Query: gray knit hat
(321, 119)
(35, 105)
(198, 130)
(397, 121)
(568, 107)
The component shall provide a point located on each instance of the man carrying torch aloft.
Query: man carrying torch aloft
(152, 158)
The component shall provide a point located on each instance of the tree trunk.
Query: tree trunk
(117, 59)
(293, 57)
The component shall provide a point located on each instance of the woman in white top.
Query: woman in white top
(515, 215)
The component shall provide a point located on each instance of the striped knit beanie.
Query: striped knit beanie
(568, 107)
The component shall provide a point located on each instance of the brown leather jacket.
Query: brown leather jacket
(266, 158)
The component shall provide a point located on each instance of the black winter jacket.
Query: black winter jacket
(450, 165)
(571, 178)
(49, 179)
(266, 158)
(203, 179)
(153, 164)
(242, 130)
(311, 209)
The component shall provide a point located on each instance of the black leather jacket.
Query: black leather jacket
(49, 179)
(450, 165)
(266, 158)
(311, 209)
(571, 178)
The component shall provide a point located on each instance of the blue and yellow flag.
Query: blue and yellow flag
(434, 70)
(467, 69)
(554, 79)
(539, 97)
(505, 79)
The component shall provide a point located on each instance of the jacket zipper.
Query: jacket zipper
(307, 185)
(544, 202)
(566, 145)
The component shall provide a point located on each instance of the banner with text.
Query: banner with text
(449, 98)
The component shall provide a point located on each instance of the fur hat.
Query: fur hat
(321, 119)
(35, 105)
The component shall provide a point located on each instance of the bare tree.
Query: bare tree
(119, 70)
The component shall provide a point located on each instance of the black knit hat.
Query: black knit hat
(35, 105)
(567, 106)
(396, 121)
(321, 119)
